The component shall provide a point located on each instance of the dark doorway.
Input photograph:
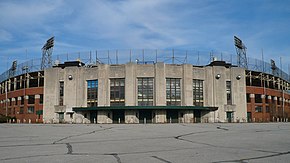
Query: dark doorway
(197, 116)
(93, 116)
(145, 116)
(172, 116)
(230, 117)
(118, 116)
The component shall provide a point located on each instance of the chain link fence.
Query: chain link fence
(146, 56)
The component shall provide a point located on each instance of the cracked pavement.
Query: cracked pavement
(163, 143)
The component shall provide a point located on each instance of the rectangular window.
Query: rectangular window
(258, 109)
(248, 98)
(16, 100)
(229, 92)
(30, 110)
(267, 109)
(18, 84)
(197, 89)
(12, 86)
(258, 98)
(92, 93)
(21, 110)
(22, 100)
(145, 91)
(117, 92)
(173, 92)
(41, 99)
(31, 99)
(267, 99)
(61, 92)
(41, 82)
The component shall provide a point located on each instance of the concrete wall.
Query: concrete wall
(75, 90)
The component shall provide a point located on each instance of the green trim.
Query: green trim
(144, 108)
(39, 112)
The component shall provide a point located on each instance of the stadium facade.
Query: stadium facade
(76, 91)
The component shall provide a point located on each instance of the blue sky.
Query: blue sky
(205, 25)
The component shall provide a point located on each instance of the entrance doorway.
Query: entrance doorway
(197, 116)
(118, 116)
(230, 117)
(61, 117)
(145, 116)
(93, 116)
(172, 116)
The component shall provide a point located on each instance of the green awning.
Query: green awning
(204, 108)
(39, 112)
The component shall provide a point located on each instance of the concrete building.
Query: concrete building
(144, 93)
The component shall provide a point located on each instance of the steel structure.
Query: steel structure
(241, 53)
(12, 69)
(47, 49)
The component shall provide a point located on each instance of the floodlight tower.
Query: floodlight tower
(46, 61)
(12, 70)
(241, 52)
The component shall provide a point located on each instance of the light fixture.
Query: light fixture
(218, 76)
(70, 77)
(239, 77)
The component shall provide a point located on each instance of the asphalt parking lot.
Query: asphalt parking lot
(164, 143)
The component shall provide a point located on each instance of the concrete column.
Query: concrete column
(160, 116)
(130, 85)
(131, 116)
(104, 85)
(187, 85)
(160, 84)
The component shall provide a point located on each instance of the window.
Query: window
(267, 109)
(92, 93)
(258, 109)
(30, 110)
(197, 86)
(117, 92)
(31, 99)
(61, 92)
(258, 98)
(16, 100)
(41, 82)
(22, 100)
(229, 92)
(41, 99)
(248, 98)
(18, 84)
(12, 86)
(173, 92)
(267, 99)
(145, 91)
(21, 110)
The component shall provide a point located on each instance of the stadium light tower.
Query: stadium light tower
(47, 48)
(241, 52)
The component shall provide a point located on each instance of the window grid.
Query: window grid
(197, 86)
(117, 92)
(92, 93)
(173, 92)
(229, 92)
(61, 92)
(145, 91)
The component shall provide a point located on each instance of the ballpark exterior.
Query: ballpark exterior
(155, 92)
